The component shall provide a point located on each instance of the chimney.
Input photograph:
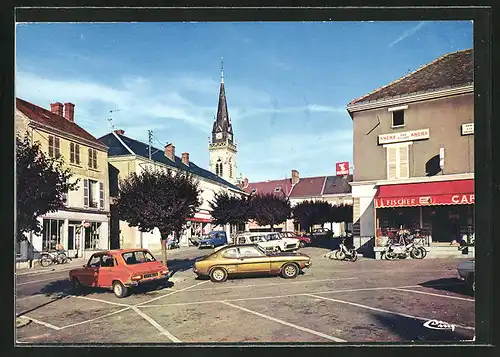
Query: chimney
(56, 108)
(245, 182)
(295, 177)
(170, 151)
(69, 111)
(185, 158)
(120, 131)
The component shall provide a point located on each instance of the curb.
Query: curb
(22, 321)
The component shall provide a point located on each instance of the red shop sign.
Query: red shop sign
(436, 200)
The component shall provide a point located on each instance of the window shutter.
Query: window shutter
(72, 152)
(86, 192)
(404, 171)
(77, 154)
(51, 146)
(57, 148)
(94, 152)
(90, 157)
(392, 163)
(101, 195)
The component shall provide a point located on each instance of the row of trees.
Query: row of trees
(154, 199)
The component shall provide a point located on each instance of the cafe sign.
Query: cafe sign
(467, 129)
(404, 136)
(415, 201)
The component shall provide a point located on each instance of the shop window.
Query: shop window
(74, 153)
(92, 235)
(52, 233)
(54, 146)
(397, 162)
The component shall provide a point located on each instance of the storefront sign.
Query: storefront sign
(404, 136)
(468, 129)
(342, 168)
(460, 199)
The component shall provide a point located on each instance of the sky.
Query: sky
(287, 83)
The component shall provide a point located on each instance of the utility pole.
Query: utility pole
(150, 139)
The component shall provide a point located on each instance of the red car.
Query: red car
(119, 270)
(303, 240)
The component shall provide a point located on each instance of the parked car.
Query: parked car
(213, 239)
(250, 259)
(268, 240)
(119, 270)
(322, 232)
(466, 272)
(302, 239)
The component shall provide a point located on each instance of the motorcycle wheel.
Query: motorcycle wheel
(331, 255)
(340, 255)
(390, 256)
(424, 252)
(354, 256)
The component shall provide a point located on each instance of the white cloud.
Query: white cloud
(409, 32)
(240, 113)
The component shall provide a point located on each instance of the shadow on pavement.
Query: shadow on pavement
(414, 330)
(452, 285)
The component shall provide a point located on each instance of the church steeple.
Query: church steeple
(222, 129)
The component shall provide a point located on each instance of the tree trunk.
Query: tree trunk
(272, 227)
(164, 251)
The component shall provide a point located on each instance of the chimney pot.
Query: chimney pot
(120, 131)
(56, 108)
(69, 111)
(245, 182)
(170, 151)
(295, 177)
(185, 158)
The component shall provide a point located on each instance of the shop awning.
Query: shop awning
(201, 216)
(458, 192)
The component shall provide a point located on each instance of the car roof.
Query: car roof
(121, 251)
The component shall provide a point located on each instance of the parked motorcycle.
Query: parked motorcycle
(403, 244)
(343, 253)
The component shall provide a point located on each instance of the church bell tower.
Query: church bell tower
(222, 147)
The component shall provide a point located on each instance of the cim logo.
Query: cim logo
(342, 168)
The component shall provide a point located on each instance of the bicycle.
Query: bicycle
(53, 257)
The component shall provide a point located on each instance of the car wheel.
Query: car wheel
(302, 244)
(289, 271)
(471, 283)
(119, 289)
(77, 286)
(218, 275)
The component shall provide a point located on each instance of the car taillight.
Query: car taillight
(136, 277)
(164, 272)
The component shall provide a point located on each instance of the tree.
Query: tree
(42, 185)
(269, 209)
(158, 199)
(228, 209)
(304, 214)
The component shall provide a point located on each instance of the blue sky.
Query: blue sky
(287, 84)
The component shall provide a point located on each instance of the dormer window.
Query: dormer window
(253, 191)
(277, 189)
(398, 116)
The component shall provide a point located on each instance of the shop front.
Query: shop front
(196, 227)
(443, 211)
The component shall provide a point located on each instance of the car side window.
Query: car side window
(241, 240)
(230, 253)
(95, 261)
(249, 252)
(107, 261)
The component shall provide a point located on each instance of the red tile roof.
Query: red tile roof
(454, 69)
(270, 186)
(308, 186)
(49, 119)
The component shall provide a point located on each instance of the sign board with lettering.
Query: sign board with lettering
(404, 136)
(414, 201)
(342, 168)
(467, 129)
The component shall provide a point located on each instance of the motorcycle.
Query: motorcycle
(343, 253)
(404, 246)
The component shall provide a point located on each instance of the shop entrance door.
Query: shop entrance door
(71, 239)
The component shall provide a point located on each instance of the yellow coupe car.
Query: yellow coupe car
(250, 259)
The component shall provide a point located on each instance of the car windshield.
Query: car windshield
(138, 257)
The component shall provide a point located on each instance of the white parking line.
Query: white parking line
(269, 284)
(382, 310)
(432, 294)
(305, 329)
(43, 323)
(99, 300)
(96, 318)
(156, 325)
(173, 292)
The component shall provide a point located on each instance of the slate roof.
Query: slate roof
(142, 149)
(308, 186)
(337, 185)
(267, 187)
(52, 120)
(454, 69)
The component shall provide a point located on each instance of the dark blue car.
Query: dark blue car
(213, 239)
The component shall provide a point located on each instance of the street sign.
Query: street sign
(342, 168)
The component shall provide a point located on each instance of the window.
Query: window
(397, 162)
(101, 195)
(54, 146)
(138, 257)
(398, 118)
(91, 235)
(90, 192)
(218, 167)
(107, 261)
(95, 261)
(52, 233)
(253, 191)
(249, 252)
(74, 153)
(277, 189)
(230, 170)
(230, 253)
(92, 158)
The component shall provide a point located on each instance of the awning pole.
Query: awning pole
(421, 220)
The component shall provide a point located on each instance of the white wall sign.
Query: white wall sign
(404, 136)
(468, 129)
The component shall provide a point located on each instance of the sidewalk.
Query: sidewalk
(38, 269)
